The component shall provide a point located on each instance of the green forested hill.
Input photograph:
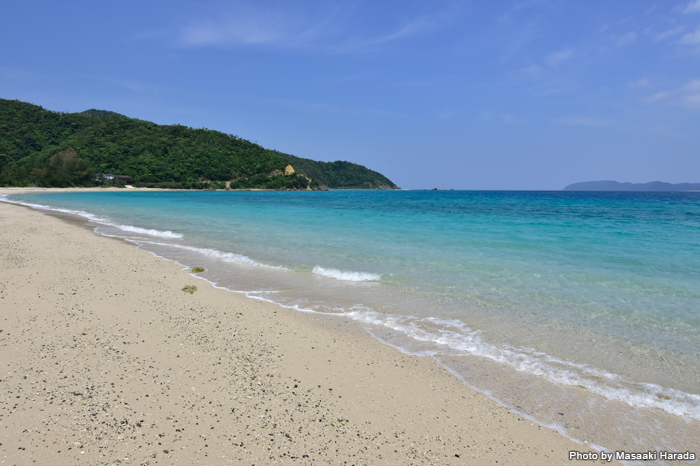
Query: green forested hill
(45, 148)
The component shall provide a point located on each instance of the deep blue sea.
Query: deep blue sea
(564, 306)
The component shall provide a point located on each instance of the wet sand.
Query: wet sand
(105, 360)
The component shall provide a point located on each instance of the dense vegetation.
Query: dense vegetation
(44, 148)
(340, 174)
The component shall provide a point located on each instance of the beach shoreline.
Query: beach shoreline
(108, 361)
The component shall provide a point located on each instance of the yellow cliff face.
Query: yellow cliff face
(289, 170)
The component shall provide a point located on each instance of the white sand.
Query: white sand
(104, 360)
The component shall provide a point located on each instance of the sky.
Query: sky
(472, 94)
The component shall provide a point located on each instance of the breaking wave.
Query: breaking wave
(454, 335)
(100, 220)
(347, 276)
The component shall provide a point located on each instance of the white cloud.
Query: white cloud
(687, 95)
(244, 24)
(555, 59)
(519, 27)
(406, 30)
(532, 70)
(644, 82)
(692, 86)
(693, 7)
(627, 39)
(358, 43)
(330, 29)
(660, 96)
(669, 33)
(691, 38)
(692, 101)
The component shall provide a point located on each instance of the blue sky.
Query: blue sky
(443, 93)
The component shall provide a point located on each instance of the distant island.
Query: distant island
(39, 147)
(617, 186)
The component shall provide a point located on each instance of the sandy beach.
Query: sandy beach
(105, 360)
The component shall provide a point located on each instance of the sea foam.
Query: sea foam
(454, 337)
(100, 220)
(149, 231)
(230, 257)
(348, 276)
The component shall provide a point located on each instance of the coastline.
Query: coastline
(107, 359)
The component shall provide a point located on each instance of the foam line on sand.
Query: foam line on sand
(105, 360)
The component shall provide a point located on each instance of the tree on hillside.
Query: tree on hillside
(47, 148)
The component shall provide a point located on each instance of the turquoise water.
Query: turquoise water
(595, 292)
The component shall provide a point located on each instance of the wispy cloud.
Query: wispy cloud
(691, 94)
(360, 43)
(659, 96)
(556, 59)
(692, 86)
(687, 95)
(644, 82)
(520, 26)
(659, 36)
(691, 38)
(329, 28)
(409, 29)
(693, 7)
(626, 39)
(692, 101)
(532, 70)
(243, 24)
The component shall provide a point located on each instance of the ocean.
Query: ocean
(578, 310)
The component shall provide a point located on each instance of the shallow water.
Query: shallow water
(589, 300)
